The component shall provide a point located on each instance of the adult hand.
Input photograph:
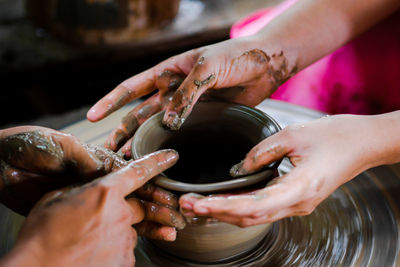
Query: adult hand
(234, 70)
(160, 205)
(35, 160)
(325, 153)
(90, 225)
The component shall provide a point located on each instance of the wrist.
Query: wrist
(382, 145)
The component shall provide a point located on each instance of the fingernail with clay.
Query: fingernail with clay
(171, 236)
(173, 121)
(237, 170)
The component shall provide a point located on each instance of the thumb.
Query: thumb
(269, 150)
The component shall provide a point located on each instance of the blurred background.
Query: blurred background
(58, 57)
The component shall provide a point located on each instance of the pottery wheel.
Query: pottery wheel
(358, 225)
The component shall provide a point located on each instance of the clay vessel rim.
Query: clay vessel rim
(234, 183)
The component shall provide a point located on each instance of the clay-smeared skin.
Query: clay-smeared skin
(39, 160)
(246, 75)
(166, 82)
(325, 153)
(91, 225)
(36, 160)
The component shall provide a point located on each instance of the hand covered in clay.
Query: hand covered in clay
(234, 70)
(325, 153)
(89, 225)
(161, 216)
(35, 160)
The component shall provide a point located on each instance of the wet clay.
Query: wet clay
(169, 80)
(275, 65)
(205, 156)
(34, 145)
(204, 82)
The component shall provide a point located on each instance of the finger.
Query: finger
(137, 209)
(132, 88)
(169, 80)
(132, 121)
(195, 84)
(10, 175)
(17, 191)
(282, 195)
(77, 155)
(246, 221)
(163, 215)
(126, 149)
(156, 194)
(138, 172)
(111, 161)
(269, 150)
(155, 231)
(166, 82)
(187, 201)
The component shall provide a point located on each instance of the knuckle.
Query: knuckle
(141, 171)
(244, 223)
(304, 209)
(102, 191)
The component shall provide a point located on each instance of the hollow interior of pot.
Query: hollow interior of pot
(214, 138)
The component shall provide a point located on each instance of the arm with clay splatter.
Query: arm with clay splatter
(244, 70)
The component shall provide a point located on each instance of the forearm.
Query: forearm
(382, 145)
(311, 29)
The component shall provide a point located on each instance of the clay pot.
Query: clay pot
(215, 136)
(95, 22)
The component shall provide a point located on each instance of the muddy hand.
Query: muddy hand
(161, 218)
(89, 225)
(234, 70)
(35, 160)
(325, 153)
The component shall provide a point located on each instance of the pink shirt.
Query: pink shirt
(362, 77)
